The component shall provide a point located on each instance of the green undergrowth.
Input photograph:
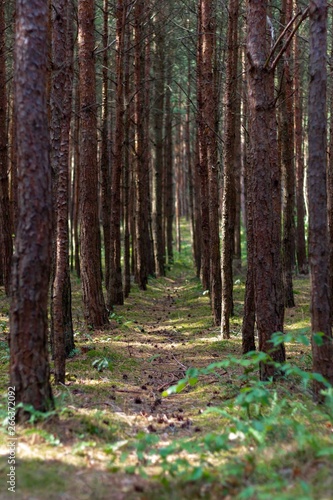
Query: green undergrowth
(159, 406)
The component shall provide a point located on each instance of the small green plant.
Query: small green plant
(117, 318)
(3, 326)
(101, 364)
(36, 415)
(261, 415)
(49, 438)
(4, 351)
(74, 352)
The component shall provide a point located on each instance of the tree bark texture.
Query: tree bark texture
(210, 103)
(204, 74)
(168, 187)
(229, 186)
(248, 324)
(265, 184)
(141, 173)
(6, 243)
(158, 164)
(115, 285)
(287, 161)
(61, 109)
(105, 150)
(126, 169)
(318, 237)
(29, 365)
(93, 300)
(302, 261)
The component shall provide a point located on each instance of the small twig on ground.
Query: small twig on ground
(181, 364)
(128, 391)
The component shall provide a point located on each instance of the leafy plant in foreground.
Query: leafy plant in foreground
(260, 416)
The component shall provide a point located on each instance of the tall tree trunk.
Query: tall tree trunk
(238, 183)
(76, 182)
(178, 179)
(141, 174)
(115, 285)
(158, 166)
(229, 191)
(265, 184)
(302, 261)
(168, 190)
(197, 209)
(61, 108)
(210, 104)
(248, 324)
(318, 237)
(287, 161)
(203, 166)
(330, 178)
(6, 243)
(147, 150)
(126, 169)
(105, 153)
(29, 365)
(93, 300)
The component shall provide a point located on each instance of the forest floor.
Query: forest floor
(115, 435)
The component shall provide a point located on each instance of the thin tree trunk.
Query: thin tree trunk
(302, 261)
(248, 324)
(105, 153)
(93, 300)
(229, 191)
(76, 182)
(5, 212)
(115, 285)
(141, 174)
(126, 169)
(203, 166)
(168, 190)
(61, 107)
(197, 210)
(287, 162)
(330, 180)
(158, 165)
(318, 237)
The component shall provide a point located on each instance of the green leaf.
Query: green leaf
(318, 338)
(326, 452)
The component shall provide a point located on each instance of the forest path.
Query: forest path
(112, 402)
(112, 419)
(164, 331)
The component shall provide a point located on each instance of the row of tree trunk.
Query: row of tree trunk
(155, 155)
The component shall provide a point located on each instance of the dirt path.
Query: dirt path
(154, 338)
(166, 338)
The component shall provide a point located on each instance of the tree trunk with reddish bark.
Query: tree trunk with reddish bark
(105, 150)
(265, 185)
(62, 337)
(287, 160)
(302, 261)
(115, 284)
(168, 188)
(6, 243)
(321, 317)
(29, 365)
(142, 253)
(94, 306)
(158, 163)
(229, 191)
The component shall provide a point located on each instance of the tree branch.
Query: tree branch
(289, 39)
